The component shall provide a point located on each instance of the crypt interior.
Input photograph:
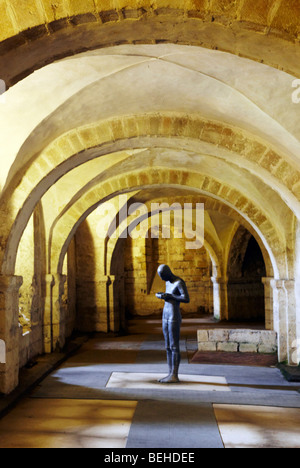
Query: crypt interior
(114, 103)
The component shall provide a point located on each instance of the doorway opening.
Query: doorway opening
(246, 268)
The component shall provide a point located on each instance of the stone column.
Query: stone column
(269, 321)
(285, 318)
(109, 289)
(280, 317)
(58, 312)
(220, 297)
(9, 332)
(116, 303)
(207, 292)
(54, 320)
(121, 302)
(291, 320)
(211, 297)
(47, 320)
(102, 320)
(113, 312)
(92, 308)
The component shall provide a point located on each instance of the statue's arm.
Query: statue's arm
(184, 295)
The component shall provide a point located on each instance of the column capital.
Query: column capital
(49, 279)
(59, 278)
(106, 279)
(10, 283)
(219, 279)
(267, 280)
(282, 283)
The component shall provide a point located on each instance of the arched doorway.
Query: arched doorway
(246, 268)
(141, 260)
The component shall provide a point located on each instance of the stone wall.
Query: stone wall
(91, 285)
(238, 340)
(142, 258)
(246, 300)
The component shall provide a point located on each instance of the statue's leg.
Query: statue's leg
(176, 358)
(169, 359)
(166, 330)
(175, 346)
(173, 352)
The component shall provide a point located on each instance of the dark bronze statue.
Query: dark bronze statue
(176, 293)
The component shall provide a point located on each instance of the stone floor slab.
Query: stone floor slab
(167, 425)
(151, 381)
(53, 423)
(166, 415)
(258, 427)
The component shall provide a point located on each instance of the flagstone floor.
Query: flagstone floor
(107, 395)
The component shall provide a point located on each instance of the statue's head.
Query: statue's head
(165, 273)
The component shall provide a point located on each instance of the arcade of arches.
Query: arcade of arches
(117, 102)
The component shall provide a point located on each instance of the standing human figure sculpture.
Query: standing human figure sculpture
(176, 293)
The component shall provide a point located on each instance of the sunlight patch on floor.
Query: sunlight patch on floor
(61, 423)
(150, 381)
(244, 426)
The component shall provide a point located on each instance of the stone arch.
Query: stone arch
(206, 245)
(63, 159)
(152, 179)
(72, 146)
(216, 254)
(70, 150)
(92, 199)
(271, 29)
(136, 181)
(210, 245)
(213, 205)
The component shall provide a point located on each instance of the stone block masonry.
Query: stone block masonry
(237, 340)
(141, 260)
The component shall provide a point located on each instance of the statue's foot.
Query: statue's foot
(169, 380)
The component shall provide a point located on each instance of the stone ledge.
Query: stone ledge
(237, 340)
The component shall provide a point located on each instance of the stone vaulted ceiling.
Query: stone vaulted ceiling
(162, 99)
